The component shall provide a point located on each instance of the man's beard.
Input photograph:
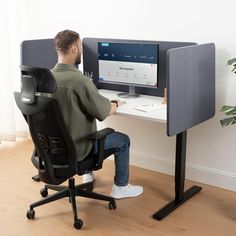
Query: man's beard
(78, 60)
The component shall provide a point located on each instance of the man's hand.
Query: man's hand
(114, 105)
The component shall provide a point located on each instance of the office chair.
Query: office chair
(56, 158)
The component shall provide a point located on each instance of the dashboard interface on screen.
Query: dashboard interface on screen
(128, 63)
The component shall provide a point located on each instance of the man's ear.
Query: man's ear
(74, 48)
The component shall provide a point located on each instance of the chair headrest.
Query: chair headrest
(42, 78)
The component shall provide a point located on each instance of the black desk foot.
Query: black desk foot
(166, 210)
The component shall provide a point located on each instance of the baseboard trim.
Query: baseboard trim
(218, 178)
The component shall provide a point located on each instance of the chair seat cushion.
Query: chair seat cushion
(89, 163)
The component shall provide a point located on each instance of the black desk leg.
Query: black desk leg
(180, 195)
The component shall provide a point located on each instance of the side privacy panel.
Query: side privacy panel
(38, 53)
(191, 86)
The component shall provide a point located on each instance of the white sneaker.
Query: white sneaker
(90, 177)
(129, 190)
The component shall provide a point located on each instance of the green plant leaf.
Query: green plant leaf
(228, 110)
(228, 121)
(231, 61)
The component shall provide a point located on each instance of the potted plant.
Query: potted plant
(229, 110)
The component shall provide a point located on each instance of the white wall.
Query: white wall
(211, 150)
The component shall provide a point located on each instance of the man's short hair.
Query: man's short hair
(64, 39)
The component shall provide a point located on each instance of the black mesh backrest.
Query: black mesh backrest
(58, 160)
(55, 147)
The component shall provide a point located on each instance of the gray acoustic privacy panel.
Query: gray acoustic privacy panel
(38, 53)
(190, 86)
(90, 63)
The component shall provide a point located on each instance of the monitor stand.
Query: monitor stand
(130, 94)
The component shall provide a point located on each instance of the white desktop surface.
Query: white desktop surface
(128, 108)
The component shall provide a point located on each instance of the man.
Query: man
(81, 105)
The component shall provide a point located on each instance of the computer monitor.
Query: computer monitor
(132, 64)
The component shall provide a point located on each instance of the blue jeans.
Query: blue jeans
(121, 143)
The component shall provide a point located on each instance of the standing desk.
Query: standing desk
(159, 115)
(190, 82)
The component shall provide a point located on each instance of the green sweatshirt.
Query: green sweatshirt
(81, 105)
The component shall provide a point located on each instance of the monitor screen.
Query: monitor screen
(134, 64)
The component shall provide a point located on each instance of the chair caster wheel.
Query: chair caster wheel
(78, 224)
(30, 214)
(112, 205)
(44, 192)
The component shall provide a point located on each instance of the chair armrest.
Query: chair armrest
(100, 134)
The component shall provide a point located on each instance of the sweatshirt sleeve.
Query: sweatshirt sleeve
(94, 104)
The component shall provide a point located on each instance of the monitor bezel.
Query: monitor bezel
(130, 84)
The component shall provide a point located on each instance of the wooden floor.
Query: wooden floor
(211, 212)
